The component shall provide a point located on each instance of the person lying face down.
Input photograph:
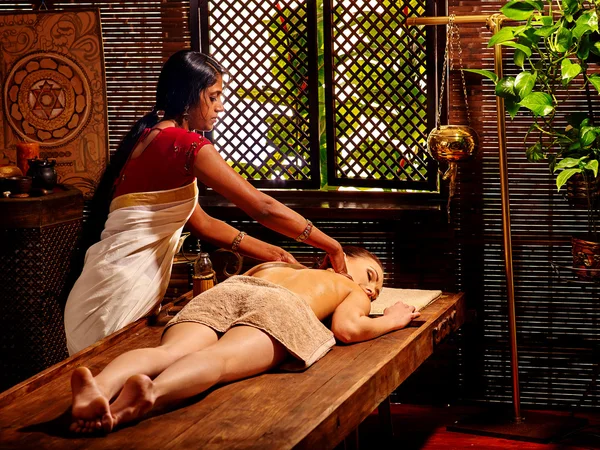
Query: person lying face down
(216, 337)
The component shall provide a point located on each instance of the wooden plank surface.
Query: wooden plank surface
(278, 410)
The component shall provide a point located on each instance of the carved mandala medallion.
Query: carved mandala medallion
(47, 99)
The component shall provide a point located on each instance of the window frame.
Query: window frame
(200, 35)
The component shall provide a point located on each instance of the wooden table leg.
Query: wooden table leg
(351, 441)
(385, 418)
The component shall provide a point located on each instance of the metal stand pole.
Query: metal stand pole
(534, 426)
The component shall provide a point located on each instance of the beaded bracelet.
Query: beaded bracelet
(306, 233)
(235, 245)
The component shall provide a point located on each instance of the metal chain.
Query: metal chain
(453, 35)
(443, 85)
(462, 73)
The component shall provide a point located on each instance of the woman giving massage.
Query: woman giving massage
(237, 329)
(149, 194)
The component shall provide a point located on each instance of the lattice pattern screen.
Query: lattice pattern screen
(379, 95)
(268, 131)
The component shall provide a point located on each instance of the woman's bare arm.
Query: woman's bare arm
(351, 322)
(222, 234)
(213, 171)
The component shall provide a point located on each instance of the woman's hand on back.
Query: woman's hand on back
(283, 256)
(337, 261)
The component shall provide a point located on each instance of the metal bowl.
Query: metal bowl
(18, 185)
(453, 143)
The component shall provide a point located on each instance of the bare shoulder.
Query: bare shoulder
(355, 301)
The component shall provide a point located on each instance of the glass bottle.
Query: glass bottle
(204, 275)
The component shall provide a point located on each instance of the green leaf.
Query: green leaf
(567, 163)
(547, 21)
(519, 58)
(512, 106)
(524, 83)
(593, 166)
(539, 4)
(583, 52)
(535, 153)
(564, 176)
(570, 6)
(505, 34)
(564, 40)
(539, 103)
(486, 73)
(546, 31)
(585, 123)
(595, 80)
(529, 38)
(518, 10)
(588, 21)
(588, 136)
(506, 87)
(568, 71)
(520, 47)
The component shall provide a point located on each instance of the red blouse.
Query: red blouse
(166, 163)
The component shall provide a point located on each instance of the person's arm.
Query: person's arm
(214, 172)
(222, 234)
(351, 323)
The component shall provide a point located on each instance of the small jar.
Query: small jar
(204, 275)
(43, 173)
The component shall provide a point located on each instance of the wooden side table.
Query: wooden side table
(38, 237)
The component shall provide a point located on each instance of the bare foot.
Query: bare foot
(135, 400)
(89, 403)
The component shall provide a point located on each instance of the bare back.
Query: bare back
(323, 290)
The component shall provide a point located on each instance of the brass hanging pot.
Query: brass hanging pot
(452, 143)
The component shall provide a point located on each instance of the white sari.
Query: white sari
(126, 274)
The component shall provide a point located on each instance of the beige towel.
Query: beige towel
(243, 300)
(415, 297)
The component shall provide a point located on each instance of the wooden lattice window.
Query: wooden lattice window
(269, 131)
(297, 66)
(377, 92)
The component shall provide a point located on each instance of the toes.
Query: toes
(87, 426)
(107, 423)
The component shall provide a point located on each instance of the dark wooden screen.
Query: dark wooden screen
(407, 247)
(269, 131)
(374, 76)
(558, 319)
(377, 83)
(138, 35)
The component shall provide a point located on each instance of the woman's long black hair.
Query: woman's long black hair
(183, 79)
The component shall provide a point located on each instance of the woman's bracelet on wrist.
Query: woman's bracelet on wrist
(306, 233)
(235, 245)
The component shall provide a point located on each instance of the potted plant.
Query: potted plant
(553, 50)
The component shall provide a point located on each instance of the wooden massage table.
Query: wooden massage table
(315, 409)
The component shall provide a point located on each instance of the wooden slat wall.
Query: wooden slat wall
(558, 322)
(416, 253)
(138, 35)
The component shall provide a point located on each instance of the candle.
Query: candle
(25, 151)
